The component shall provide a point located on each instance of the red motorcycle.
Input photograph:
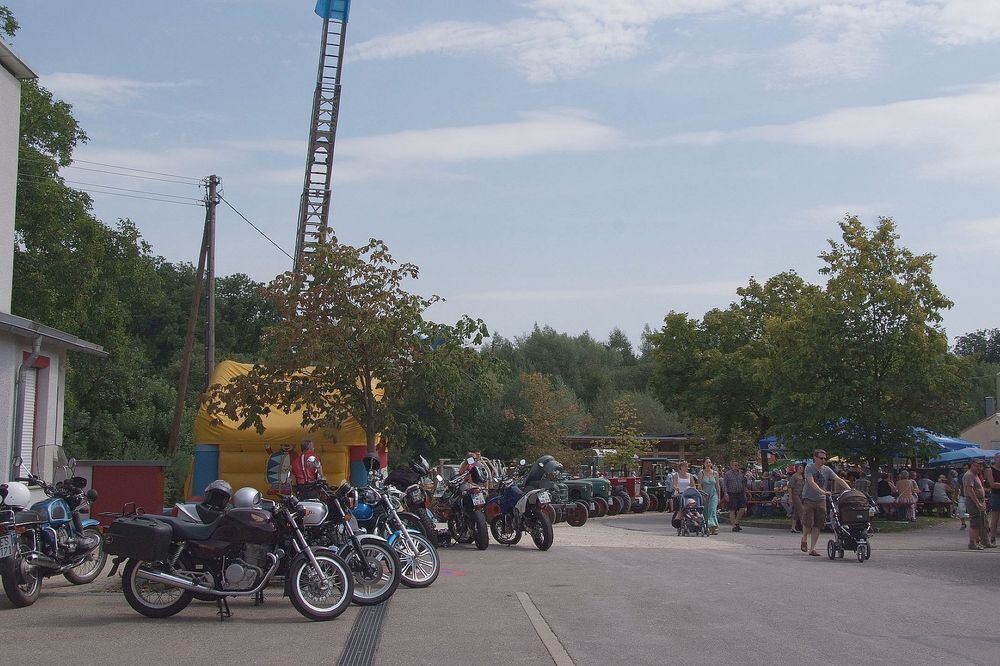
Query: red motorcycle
(462, 506)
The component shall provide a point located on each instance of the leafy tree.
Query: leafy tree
(984, 345)
(8, 24)
(864, 361)
(546, 411)
(718, 369)
(625, 436)
(346, 345)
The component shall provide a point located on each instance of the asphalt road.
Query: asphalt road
(623, 588)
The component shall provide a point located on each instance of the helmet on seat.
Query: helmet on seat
(217, 494)
(420, 466)
(15, 494)
(372, 463)
(246, 498)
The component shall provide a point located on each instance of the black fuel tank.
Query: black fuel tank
(247, 526)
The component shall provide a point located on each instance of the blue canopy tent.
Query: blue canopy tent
(948, 443)
(956, 457)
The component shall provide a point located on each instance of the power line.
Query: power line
(256, 227)
(181, 179)
(192, 202)
(156, 173)
(135, 175)
(123, 189)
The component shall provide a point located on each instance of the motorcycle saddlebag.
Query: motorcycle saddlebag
(138, 537)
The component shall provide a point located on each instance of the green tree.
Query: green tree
(866, 360)
(984, 345)
(625, 436)
(546, 411)
(347, 343)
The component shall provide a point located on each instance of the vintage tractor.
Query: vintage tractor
(659, 497)
(546, 473)
(600, 496)
(582, 492)
(627, 490)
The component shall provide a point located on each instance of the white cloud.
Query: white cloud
(96, 91)
(954, 136)
(566, 38)
(979, 234)
(536, 133)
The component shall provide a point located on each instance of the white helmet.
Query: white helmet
(15, 494)
(246, 498)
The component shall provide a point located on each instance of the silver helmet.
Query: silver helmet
(246, 498)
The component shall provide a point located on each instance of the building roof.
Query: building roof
(26, 328)
(13, 64)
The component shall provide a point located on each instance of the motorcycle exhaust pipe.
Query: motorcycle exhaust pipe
(41, 561)
(185, 584)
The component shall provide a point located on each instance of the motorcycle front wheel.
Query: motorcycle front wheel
(481, 532)
(21, 583)
(314, 597)
(150, 598)
(505, 529)
(88, 570)
(380, 581)
(420, 567)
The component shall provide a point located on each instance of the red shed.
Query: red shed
(118, 482)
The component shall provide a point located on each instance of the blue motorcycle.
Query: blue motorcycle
(49, 537)
(513, 511)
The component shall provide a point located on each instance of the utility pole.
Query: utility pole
(212, 203)
(182, 382)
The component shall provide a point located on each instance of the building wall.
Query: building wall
(10, 116)
(986, 433)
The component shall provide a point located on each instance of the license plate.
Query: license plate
(544, 497)
(638, 500)
(592, 507)
(478, 500)
(6, 545)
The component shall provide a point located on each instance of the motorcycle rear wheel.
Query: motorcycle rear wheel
(22, 585)
(88, 570)
(541, 531)
(481, 532)
(152, 599)
(375, 587)
(307, 594)
(505, 529)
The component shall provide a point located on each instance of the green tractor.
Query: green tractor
(547, 473)
(601, 494)
(582, 492)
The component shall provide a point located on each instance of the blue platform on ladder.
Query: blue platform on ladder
(335, 10)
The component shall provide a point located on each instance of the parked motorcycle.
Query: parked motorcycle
(169, 560)
(461, 506)
(373, 561)
(512, 511)
(418, 485)
(50, 537)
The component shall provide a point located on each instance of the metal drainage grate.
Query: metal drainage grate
(362, 642)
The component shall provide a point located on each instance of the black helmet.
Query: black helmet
(477, 474)
(371, 463)
(217, 494)
(420, 466)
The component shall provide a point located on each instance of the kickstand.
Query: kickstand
(224, 612)
(258, 599)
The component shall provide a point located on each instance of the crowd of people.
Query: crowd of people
(970, 494)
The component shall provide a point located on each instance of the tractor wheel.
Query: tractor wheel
(663, 504)
(576, 514)
(602, 506)
(640, 507)
(626, 503)
(654, 503)
(614, 505)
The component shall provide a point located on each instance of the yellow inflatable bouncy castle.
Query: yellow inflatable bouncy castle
(246, 458)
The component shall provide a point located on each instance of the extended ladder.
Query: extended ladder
(314, 206)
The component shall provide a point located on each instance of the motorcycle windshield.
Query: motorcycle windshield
(51, 463)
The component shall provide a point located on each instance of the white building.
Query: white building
(986, 433)
(32, 356)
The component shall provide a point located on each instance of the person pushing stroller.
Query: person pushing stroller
(814, 494)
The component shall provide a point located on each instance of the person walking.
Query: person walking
(734, 492)
(709, 480)
(814, 495)
(682, 479)
(795, 483)
(993, 483)
(975, 503)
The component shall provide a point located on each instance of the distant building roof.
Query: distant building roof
(13, 64)
(26, 328)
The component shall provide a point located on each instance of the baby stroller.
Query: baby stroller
(850, 518)
(690, 515)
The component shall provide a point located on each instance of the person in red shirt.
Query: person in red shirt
(307, 467)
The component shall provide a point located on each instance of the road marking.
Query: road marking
(544, 631)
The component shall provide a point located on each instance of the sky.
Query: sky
(582, 164)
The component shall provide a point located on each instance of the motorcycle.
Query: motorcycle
(169, 560)
(461, 507)
(418, 486)
(50, 537)
(513, 511)
(373, 561)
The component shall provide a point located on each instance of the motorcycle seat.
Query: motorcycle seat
(23, 517)
(186, 529)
